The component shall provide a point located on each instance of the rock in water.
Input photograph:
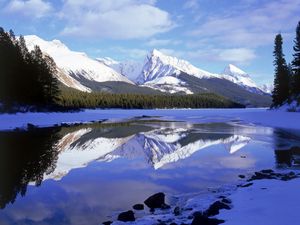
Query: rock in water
(156, 201)
(138, 207)
(126, 216)
(200, 219)
(107, 223)
(177, 211)
(215, 208)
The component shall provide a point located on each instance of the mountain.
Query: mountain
(267, 88)
(173, 75)
(156, 146)
(157, 74)
(75, 68)
(129, 69)
(238, 76)
(158, 66)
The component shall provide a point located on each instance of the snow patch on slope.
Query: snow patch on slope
(169, 84)
(129, 69)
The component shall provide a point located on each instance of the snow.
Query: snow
(75, 63)
(129, 69)
(158, 147)
(265, 117)
(265, 202)
(168, 84)
(267, 88)
(238, 76)
(158, 65)
(293, 106)
(73, 156)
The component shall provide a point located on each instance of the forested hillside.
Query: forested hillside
(74, 98)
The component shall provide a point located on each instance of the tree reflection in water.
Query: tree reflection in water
(25, 157)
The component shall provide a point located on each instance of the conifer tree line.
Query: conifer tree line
(287, 76)
(71, 98)
(26, 78)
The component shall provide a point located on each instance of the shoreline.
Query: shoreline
(260, 117)
(230, 204)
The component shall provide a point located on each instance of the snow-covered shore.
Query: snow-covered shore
(293, 106)
(264, 201)
(264, 117)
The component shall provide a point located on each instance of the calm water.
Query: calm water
(84, 174)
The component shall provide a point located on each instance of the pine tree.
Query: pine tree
(281, 81)
(296, 63)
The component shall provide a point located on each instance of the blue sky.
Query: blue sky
(208, 33)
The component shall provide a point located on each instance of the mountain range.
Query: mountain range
(159, 73)
(157, 147)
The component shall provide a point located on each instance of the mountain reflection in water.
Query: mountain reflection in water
(31, 157)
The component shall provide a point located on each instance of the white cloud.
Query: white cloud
(132, 53)
(122, 19)
(252, 26)
(241, 56)
(32, 8)
(160, 42)
(237, 55)
(191, 4)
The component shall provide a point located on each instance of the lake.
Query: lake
(87, 174)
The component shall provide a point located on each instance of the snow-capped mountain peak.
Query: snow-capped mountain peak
(158, 65)
(233, 70)
(241, 78)
(74, 66)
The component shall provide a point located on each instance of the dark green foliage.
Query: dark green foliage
(77, 99)
(26, 78)
(296, 63)
(281, 90)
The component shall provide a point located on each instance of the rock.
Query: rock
(242, 176)
(246, 185)
(260, 176)
(222, 196)
(226, 201)
(107, 222)
(165, 206)
(161, 223)
(173, 223)
(156, 201)
(138, 207)
(201, 219)
(243, 156)
(292, 173)
(177, 211)
(126, 216)
(215, 208)
(267, 171)
(30, 126)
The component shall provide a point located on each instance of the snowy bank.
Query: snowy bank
(265, 202)
(264, 117)
(266, 198)
(293, 106)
